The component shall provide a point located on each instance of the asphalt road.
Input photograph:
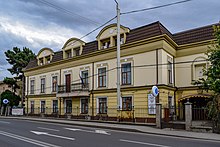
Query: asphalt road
(23, 133)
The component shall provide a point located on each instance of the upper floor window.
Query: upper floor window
(68, 54)
(47, 58)
(32, 86)
(41, 61)
(170, 72)
(76, 51)
(199, 73)
(121, 40)
(42, 89)
(84, 76)
(105, 44)
(126, 74)
(102, 77)
(54, 84)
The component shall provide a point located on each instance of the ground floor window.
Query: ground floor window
(55, 106)
(68, 106)
(42, 106)
(84, 106)
(32, 106)
(127, 103)
(102, 105)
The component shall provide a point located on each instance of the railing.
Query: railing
(73, 87)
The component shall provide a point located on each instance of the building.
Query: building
(80, 80)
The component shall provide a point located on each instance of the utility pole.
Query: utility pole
(118, 56)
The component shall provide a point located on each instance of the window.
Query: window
(32, 87)
(199, 71)
(68, 54)
(54, 84)
(32, 106)
(102, 105)
(68, 106)
(121, 40)
(85, 75)
(55, 106)
(126, 74)
(170, 72)
(102, 77)
(41, 61)
(47, 59)
(77, 51)
(42, 89)
(84, 106)
(42, 106)
(127, 103)
(105, 44)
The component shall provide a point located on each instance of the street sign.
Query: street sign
(155, 91)
(5, 101)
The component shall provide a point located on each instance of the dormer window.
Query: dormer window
(41, 61)
(76, 51)
(68, 54)
(121, 40)
(105, 44)
(47, 59)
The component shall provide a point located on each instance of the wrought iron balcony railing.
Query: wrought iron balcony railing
(73, 87)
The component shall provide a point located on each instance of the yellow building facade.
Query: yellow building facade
(80, 80)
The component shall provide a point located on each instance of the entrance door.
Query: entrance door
(68, 78)
(68, 106)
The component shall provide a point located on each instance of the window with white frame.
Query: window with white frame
(170, 70)
(54, 84)
(102, 105)
(127, 103)
(84, 105)
(42, 88)
(102, 77)
(126, 74)
(198, 67)
(199, 73)
(32, 86)
(84, 76)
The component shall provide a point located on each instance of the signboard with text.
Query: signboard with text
(151, 104)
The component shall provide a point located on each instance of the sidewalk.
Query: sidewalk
(149, 129)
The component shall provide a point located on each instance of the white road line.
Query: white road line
(48, 129)
(52, 135)
(96, 131)
(4, 122)
(143, 143)
(29, 140)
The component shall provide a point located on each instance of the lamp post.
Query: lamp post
(118, 55)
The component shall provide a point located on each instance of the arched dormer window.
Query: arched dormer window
(73, 47)
(107, 37)
(45, 56)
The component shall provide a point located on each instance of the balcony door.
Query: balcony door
(68, 81)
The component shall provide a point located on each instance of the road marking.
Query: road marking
(52, 135)
(96, 131)
(4, 122)
(48, 129)
(29, 140)
(143, 143)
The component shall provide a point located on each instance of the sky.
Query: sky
(50, 23)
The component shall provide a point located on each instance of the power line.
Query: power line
(156, 7)
(70, 13)
(138, 66)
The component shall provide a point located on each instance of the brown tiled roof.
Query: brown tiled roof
(194, 35)
(144, 32)
(90, 47)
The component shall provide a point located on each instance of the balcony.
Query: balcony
(74, 90)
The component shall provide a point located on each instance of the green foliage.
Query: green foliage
(12, 82)
(18, 59)
(11, 96)
(212, 73)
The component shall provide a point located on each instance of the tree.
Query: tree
(19, 59)
(11, 82)
(11, 96)
(212, 80)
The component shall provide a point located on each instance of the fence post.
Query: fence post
(188, 115)
(158, 115)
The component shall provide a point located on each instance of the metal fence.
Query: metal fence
(108, 114)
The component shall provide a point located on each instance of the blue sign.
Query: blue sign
(5, 101)
(155, 91)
